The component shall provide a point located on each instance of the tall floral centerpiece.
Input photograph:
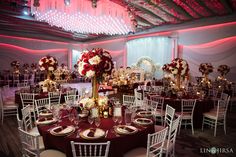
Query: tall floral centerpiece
(95, 64)
(48, 64)
(15, 65)
(179, 68)
(206, 69)
(223, 70)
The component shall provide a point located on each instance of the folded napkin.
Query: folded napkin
(91, 132)
(46, 111)
(143, 120)
(127, 129)
(44, 119)
(59, 129)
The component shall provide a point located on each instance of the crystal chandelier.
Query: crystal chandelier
(84, 16)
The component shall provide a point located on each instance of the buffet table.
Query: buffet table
(120, 144)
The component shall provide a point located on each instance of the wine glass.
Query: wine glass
(120, 119)
(76, 122)
(97, 121)
(90, 120)
(115, 119)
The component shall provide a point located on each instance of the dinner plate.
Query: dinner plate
(143, 121)
(144, 113)
(62, 130)
(45, 121)
(92, 133)
(45, 113)
(125, 129)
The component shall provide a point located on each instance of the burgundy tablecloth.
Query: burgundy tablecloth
(119, 144)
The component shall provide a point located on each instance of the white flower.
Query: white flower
(87, 103)
(94, 60)
(50, 68)
(102, 101)
(90, 73)
(107, 54)
(42, 68)
(40, 62)
(81, 67)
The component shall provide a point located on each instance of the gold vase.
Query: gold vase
(94, 88)
(178, 81)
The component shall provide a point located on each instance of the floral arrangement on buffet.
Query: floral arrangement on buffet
(221, 82)
(48, 64)
(15, 65)
(62, 73)
(95, 64)
(26, 68)
(34, 67)
(205, 69)
(223, 69)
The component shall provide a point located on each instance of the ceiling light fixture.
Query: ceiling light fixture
(82, 17)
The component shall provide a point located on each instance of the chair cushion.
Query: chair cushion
(138, 152)
(52, 153)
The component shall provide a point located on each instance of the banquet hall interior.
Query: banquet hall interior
(117, 78)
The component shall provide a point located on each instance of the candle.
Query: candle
(105, 114)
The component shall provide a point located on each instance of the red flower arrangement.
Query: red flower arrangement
(96, 62)
(178, 66)
(223, 69)
(206, 68)
(48, 63)
(15, 64)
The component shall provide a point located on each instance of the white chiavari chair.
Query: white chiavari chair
(129, 100)
(168, 119)
(218, 116)
(158, 89)
(31, 146)
(186, 114)
(169, 146)
(80, 149)
(72, 98)
(28, 99)
(41, 105)
(7, 109)
(159, 113)
(54, 98)
(155, 144)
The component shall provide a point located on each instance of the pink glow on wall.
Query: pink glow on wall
(149, 35)
(211, 44)
(106, 41)
(207, 27)
(31, 51)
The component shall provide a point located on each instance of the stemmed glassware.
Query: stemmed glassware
(97, 121)
(90, 120)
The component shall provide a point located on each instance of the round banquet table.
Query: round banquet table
(202, 106)
(37, 96)
(120, 144)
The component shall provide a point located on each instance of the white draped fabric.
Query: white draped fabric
(157, 48)
(218, 52)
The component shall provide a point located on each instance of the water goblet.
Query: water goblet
(90, 120)
(76, 122)
(120, 119)
(115, 119)
(97, 121)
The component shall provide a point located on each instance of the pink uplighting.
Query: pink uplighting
(22, 49)
(214, 43)
(79, 16)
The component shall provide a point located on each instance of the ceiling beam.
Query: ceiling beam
(206, 7)
(146, 10)
(227, 6)
(192, 9)
(151, 3)
(171, 4)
